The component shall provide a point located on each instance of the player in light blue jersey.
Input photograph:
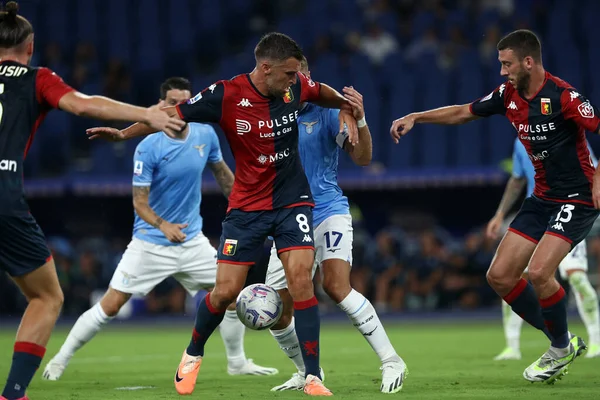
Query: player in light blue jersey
(319, 144)
(573, 267)
(167, 234)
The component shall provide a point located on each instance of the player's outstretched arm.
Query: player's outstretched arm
(140, 203)
(135, 130)
(512, 191)
(103, 108)
(450, 115)
(223, 175)
(362, 152)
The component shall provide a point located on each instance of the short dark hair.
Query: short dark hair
(524, 43)
(174, 83)
(14, 29)
(278, 47)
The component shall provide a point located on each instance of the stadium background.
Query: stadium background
(418, 209)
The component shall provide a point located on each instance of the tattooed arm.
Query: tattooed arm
(512, 192)
(142, 208)
(223, 175)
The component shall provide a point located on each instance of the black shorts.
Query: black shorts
(244, 233)
(22, 245)
(569, 221)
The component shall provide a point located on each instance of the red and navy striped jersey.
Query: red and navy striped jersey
(263, 135)
(551, 126)
(26, 95)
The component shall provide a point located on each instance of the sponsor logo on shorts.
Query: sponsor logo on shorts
(230, 247)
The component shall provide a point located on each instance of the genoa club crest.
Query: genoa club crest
(229, 247)
(546, 106)
(288, 97)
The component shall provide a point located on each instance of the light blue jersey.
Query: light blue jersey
(319, 145)
(173, 168)
(523, 167)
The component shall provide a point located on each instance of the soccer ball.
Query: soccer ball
(259, 306)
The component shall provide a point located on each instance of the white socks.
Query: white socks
(512, 323)
(288, 342)
(232, 332)
(365, 319)
(86, 327)
(587, 304)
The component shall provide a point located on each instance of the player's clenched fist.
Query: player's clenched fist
(401, 127)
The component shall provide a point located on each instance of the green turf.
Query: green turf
(445, 361)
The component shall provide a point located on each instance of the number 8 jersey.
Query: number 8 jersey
(26, 95)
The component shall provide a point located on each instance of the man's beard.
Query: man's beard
(523, 81)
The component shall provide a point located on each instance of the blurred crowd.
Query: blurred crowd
(412, 264)
(429, 52)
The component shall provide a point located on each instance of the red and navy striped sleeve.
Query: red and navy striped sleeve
(206, 106)
(309, 89)
(579, 109)
(491, 104)
(50, 88)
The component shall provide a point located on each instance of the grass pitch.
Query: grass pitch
(446, 361)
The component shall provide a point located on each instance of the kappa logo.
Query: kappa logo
(501, 89)
(512, 106)
(307, 239)
(574, 95)
(558, 226)
(212, 87)
(244, 103)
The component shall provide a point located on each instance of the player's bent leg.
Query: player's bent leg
(512, 333)
(298, 270)
(587, 305)
(336, 282)
(284, 332)
(553, 364)
(505, 277)
(232, 332)
(211, 311)
(45, 297)
(84, 330)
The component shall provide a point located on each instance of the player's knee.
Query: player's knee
(52, 300)
(337, 290)
(299, 284)
(500, 278)
(539, 275)
(112, 301)
(494, 277)
(223, 295)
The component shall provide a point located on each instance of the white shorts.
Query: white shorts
(333, 240)
(144, 265)
(575, 260)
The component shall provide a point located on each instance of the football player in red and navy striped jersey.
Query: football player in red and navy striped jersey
(27, 94)
(270, 196)
(550, 117)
